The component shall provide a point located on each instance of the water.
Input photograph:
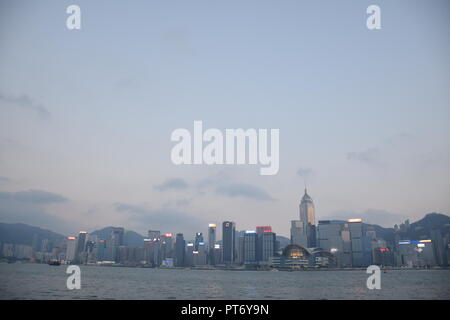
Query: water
(40, 281)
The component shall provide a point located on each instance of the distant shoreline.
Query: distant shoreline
(383, 269)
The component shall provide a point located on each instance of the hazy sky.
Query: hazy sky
(86, 116)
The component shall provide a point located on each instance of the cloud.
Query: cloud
(244, 190)
(183, 202)
(26, 102)
(371, 216)
(32, 197)
(172, 184)
(306, 174)
(4, 179)
(176, 41)
(177, 203)
(221, 185)
(388, 152)
(30, 207)
(219, 178)
(164, 219)
(370, 156)
(400, 139)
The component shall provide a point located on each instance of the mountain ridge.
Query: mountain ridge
(20, 233)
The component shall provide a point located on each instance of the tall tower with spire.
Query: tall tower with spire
(307, 213)
(308, 219)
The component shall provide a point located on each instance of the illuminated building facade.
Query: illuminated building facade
(198, 239)
(211, 243)
(71, 249)
(416, 253)
(308, 219)
(167, 246)
(334, 236)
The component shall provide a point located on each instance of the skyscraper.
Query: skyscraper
(148, 254)
(265, 245)
(152, 248)
(101, 249)
(240, 249)
(189, 258)
(211, 235)
(81, 247)
(308, 219)
(357, 240)
(211, 242)
(217, 254)
(334, 236)
(154, 235)
(438, 246)
(180, 250)
(167, 245)
(117, 235)
(81, 242)
(116, 240)
(228, 241)
(71, 249)
(198, 239)
(298, 233)
(261, 229)
(201, 255)
(250, 239)
(267, 242)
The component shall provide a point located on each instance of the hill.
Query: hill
(422, 229)
(130, 238)
(19, 233)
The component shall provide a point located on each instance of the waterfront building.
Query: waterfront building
(101, 250)
(217, 254)
(211, 243)
(229, 242)
(180, 250)
(293, 257)
(117, 237)
(267, 245)
(71, 249)
(250, 240)
(154, 235)
(334, 236)
(200, 258)
(167, 246)
(298, 233)
(198, 239)
(189, 261)
(240, 250)
(308, 219)
(416, 253)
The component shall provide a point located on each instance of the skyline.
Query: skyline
(341, 244)
(204, 230)
(86, 116)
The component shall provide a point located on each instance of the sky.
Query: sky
(86, 115)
